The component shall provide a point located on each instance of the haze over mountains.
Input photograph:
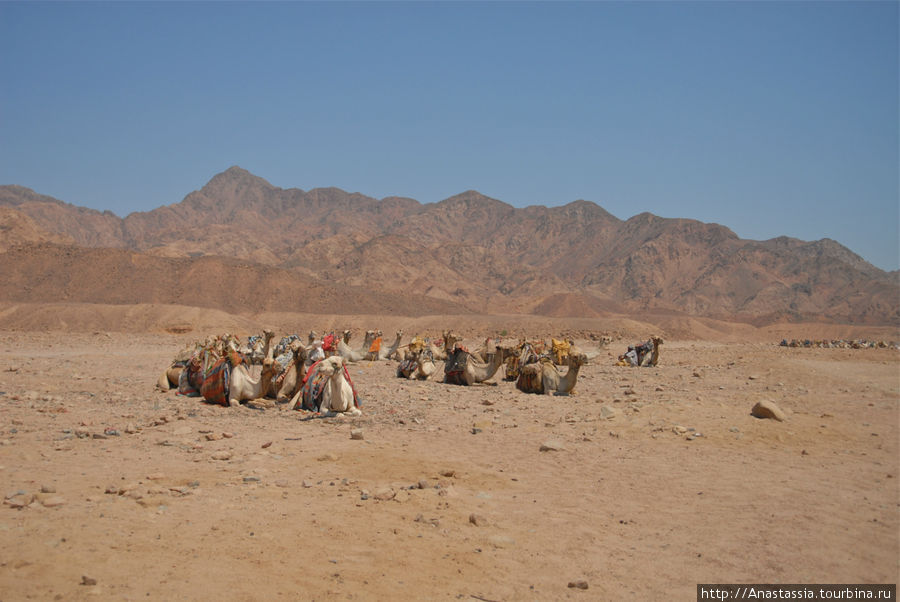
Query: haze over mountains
(242, 245)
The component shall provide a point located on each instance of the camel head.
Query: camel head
(331, 366)
(576, 360)
(657, 340)
(450, 339)
(312, 337)
(346, 336)
(269, 367)
(299, 350)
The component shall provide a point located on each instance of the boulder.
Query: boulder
(768, 409)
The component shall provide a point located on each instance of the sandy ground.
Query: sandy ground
(661, 479)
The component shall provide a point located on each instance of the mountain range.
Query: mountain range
(241, 245)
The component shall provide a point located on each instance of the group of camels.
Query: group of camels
(314, 376)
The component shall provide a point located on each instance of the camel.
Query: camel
(484, 354)
(355, 355)
(243, 387)
(448, 342)
(328, 389)
(653, 357)
(390, 352)
(289, 380)
(544, 378)
(426, 367)
(642, 354)
(418, 365)
(200, 356)
(462, 368)
(525, 355)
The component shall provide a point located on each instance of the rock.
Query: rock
(423, 484)
(282, 483)
(266, 444)
(306, 484)
(679, 430)
(580, 584)
(48, 489)
(327, 457)
(552, 445)
(385, 494)
(221, 455)
(356, 434)
(768, 409)
(85, 580)
(447, 472)
(156, 476)
(607, 413)
(501, 541)
(19, 500)
(51, 501)
(478, 520)
(130, 428)
(228, 435)
(213, 436)
(251, 479)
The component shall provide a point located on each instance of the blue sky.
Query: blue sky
(771, 118)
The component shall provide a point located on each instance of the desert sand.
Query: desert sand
(641, 485)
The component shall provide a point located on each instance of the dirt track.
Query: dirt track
(630, 504)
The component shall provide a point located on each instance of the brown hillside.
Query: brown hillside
(51, 273)
(485, 255)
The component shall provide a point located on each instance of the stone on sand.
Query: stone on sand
(768, 409)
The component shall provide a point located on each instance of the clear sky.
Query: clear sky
(771, 118)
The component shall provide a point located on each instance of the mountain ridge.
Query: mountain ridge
(481, 254)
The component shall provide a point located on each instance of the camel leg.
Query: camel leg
(296, 399)
(163, 382)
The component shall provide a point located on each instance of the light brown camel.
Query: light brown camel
(544, 378)
(390, 352)
(286, 384)
(336, 394)
(652, 358)
(243, 387)
(461, 367)
(355, 355)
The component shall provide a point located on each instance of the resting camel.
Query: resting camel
(385, 354)
(418, 365)
(243, 387)
(517, 360)
(327, 389)
(462, 368)
(448, 342)
(286, 384)
(205, 353)
(544, 378)
(484, 354)
(355, 355)
(642, 354)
